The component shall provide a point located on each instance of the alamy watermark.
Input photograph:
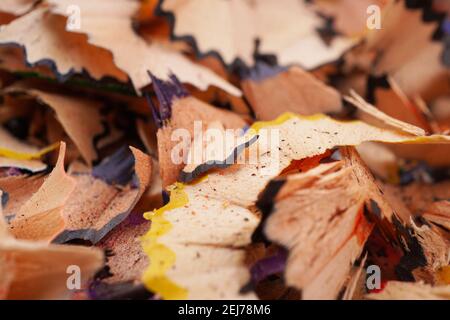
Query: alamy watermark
(73, 13)
(373, 280)
(374, 17)
(73, 281)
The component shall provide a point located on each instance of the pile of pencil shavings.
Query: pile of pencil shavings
(210, 149)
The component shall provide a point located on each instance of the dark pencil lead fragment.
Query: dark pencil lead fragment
(155, 112)
(167, 92)
(116, 169)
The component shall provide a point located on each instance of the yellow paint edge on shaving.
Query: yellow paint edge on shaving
(161, 257)
(408, 138)
(282, 119)
(8, 153)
